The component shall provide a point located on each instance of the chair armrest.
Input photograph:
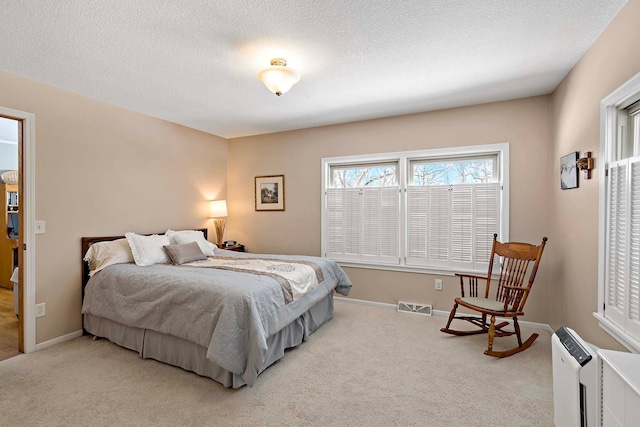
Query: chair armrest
(471, 275)
(516, 288)
(472, 282)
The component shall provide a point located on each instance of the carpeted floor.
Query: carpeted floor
(369, 366)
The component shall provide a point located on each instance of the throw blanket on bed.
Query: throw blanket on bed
(295, 277)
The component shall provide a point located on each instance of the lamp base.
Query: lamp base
(219, 225)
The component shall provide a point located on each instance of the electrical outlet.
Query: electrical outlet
(438, 284)
(40, 310)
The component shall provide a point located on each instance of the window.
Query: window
(363, 212)
(454, 171)
(452, 212)
(365, 175)
(419, 210)
(619, 252)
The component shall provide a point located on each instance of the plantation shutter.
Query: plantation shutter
(452, 226)
(633, 307)
(335, 223)
(370, 222)
(461, 225)
(363, 224)
(616, 243)
(390, 225)
(622, 276)
(380, 224)
(439, 228)
(352, 223)
(487, 215)
(417, 208)
(343, 224)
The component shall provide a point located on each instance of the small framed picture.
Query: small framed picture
(569, 171)
(269, 193)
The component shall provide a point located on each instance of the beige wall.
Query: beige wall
(105, 170)
(101, 170)
(575, 111)
(297, 154)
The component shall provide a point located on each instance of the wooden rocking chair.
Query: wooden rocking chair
(511, 295)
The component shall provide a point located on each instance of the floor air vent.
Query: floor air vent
(415, 308)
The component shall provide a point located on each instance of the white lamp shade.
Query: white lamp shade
(217, 208)
(279, 78)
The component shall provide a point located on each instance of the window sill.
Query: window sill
(632, 344)
(408, 269)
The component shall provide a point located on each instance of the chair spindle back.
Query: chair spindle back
(516, 258)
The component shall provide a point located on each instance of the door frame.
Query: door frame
(27, 239)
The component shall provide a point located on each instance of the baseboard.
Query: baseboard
(441, 313)
(365, 302)
(58, 340)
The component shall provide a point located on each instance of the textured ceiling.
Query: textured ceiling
(195, 62)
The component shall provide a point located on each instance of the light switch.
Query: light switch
(39, 227)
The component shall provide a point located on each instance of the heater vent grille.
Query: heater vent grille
(415, 308)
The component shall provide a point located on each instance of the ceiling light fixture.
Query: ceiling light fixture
(279, 78)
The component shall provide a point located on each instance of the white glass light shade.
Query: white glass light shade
(217, 208)
(279, 78)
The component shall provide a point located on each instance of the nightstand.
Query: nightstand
(236, 248)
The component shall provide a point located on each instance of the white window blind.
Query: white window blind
(452, 226)
(622, 281)
(363, 224)
(633, 295)
(416, 210)
(617, 233)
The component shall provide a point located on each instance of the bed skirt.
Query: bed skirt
(192, 357)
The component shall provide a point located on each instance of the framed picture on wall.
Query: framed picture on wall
(569, 171)
(269, 193)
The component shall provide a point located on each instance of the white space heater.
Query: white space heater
(576, 396)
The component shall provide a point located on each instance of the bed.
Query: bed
(227, 317)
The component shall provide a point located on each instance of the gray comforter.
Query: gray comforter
(229, 313)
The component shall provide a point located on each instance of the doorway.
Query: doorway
(10, 330)
(24, 209)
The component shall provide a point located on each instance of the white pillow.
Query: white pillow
(104, 254)
(188, 236)
(148, 250)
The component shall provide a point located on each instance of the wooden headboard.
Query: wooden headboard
(88, 241)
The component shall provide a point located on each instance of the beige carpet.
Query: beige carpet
(369, 366)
